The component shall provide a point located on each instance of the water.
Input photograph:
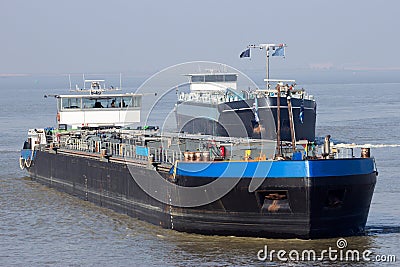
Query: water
(42, 227)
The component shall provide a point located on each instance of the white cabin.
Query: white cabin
(98, 110)
(204, 82)
(212, 88)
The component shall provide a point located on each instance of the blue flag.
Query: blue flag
(245, 53)
(279, 52)
(301, 115)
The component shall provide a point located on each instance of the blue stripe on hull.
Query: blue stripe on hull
(276, 169)
(28, 153)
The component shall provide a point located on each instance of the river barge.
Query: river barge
(241, 192)
(198, 183)
(229, 110)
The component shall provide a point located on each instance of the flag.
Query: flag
(255, 111)
(279, 52)
(301, 115)
(245, 53)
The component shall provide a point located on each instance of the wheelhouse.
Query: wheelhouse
(212, 81)
(98, 110)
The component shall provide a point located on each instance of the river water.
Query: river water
(42, 227)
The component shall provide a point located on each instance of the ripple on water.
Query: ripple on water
(42, 227)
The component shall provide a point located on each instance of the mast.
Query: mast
(70, 85)
(278, 113)
(291, 122)
(267, 47)
(120, 81)
(267, 68)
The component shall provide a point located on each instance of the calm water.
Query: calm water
(42, 227)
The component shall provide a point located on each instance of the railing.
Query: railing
(208, 98)
(222, 98)
(344, 153)
(165, 155)
(123, 150)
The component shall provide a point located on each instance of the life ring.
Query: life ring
(28, 162)
(58, 116)
(22, 163)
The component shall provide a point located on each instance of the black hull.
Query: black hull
(237, 119)
(308, 212)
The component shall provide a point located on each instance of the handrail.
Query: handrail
(122, 150)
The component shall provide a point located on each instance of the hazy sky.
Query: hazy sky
(49, 36)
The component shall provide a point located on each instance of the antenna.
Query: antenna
(120, 81)
(267, 47)
(83, 76)
(69, 78)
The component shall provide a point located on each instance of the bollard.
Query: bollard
(206, 156)
(327, 147)
(186, 156)
(198, 156)
(365, 152)
(191, 156)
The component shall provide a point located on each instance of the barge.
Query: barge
(232, 111)
(199, 183)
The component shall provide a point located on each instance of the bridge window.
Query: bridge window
(126, 102)
(137, 100)
(67, 103)
(129, 101)
(96, 102)
(99, 102)
(198, 79)
(87, 103)
(214, 78)
(230, 78)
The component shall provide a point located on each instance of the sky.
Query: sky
(49, 36)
